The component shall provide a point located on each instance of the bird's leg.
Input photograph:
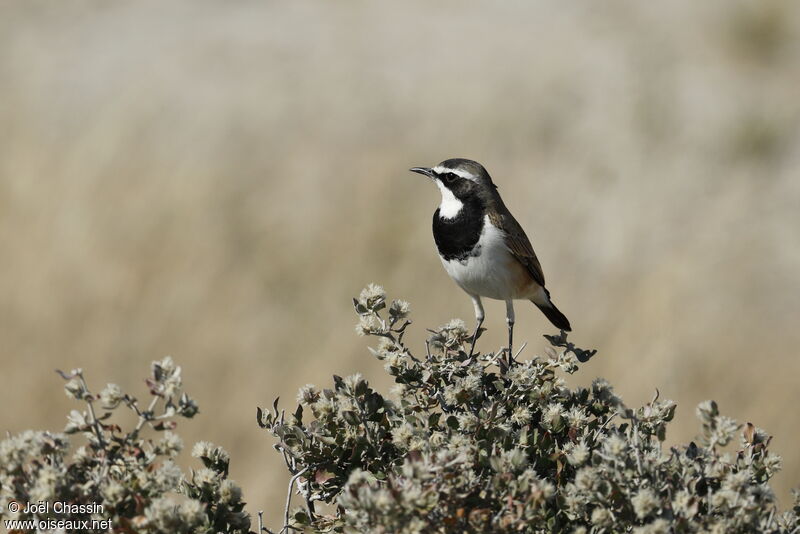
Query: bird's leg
(476, 302)
(510, 323)
(475, 336)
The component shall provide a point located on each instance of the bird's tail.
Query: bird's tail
(551, 312)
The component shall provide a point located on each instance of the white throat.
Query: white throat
(450, 205)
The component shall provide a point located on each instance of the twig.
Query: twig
(144, 417)
(94, 422)
(602, 426)
(635, 422)
(289, 499)
(494, 359)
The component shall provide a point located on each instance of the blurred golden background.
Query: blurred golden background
(215, 180)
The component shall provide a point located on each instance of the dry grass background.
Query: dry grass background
(214, 180)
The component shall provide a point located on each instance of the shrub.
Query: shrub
(119, 475)
(466, 445)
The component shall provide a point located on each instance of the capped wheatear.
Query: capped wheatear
(482, 247)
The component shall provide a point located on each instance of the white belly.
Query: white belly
(494, 273)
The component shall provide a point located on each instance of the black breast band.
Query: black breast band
(457, 238)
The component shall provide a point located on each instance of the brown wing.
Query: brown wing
(518, 244)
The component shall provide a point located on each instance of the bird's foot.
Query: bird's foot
(502, 364)
(504, 360)
(475, 336)
(510, 357)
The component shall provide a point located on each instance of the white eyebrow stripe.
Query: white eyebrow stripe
(458, 172)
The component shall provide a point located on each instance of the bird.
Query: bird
(482, 246)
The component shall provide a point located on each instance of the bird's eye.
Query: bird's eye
(449, 177)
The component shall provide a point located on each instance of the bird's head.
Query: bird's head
(459, 178)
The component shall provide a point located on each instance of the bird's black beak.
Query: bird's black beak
(422, 170)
